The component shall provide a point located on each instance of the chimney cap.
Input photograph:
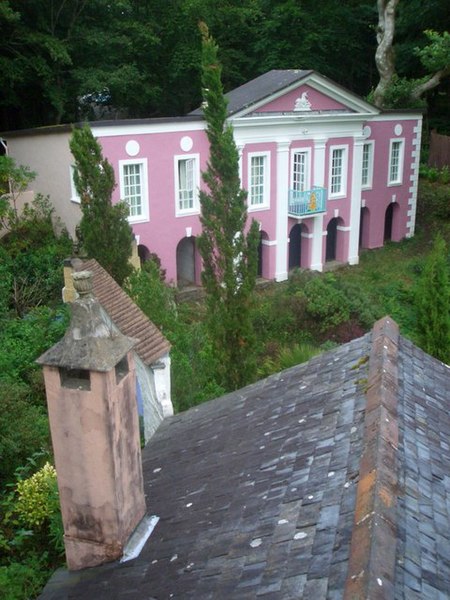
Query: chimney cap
(90, 342)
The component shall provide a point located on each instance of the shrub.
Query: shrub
(29, 433)
(152, 295)
(326, 305)
(433, 303)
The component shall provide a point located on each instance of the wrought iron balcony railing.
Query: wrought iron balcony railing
(309, 202)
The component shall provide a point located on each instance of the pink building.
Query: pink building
(326, 172)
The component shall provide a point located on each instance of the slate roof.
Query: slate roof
(128, 317)
(328, 480)
(260, 88)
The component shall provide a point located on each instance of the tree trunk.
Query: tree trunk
(384, 55)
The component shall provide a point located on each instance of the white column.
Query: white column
(281, 272)
(355, 202)
(317, 244)
(319, 162)
(319, 180)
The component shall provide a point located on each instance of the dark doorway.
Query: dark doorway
(364, 227)
(388, 220)
(186, 262)
(330, 253)
(260, 256)
(295, 247)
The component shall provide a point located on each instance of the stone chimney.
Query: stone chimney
(90, 385)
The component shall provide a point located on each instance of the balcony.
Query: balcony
(309, 202)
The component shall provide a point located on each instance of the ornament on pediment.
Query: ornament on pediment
(302, 103)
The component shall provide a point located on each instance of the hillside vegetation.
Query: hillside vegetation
(294, 320)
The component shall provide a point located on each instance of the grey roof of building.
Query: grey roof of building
(328, 480)
(260, 88)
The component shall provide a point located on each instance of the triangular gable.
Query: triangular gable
(311, 95)
(303, 99)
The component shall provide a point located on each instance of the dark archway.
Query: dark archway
(295, 246)
(262, 254)
(186, 262)
(364, 228)
(388, 221)
(143, 253)
(330, 252)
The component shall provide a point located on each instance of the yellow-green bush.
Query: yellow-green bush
(37, 497)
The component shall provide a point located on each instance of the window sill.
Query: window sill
(187, 213)
(257, 207)
(133, 220)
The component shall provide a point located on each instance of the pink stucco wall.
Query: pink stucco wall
(381, 194)
(164, 230)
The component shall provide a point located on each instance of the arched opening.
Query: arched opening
(186, 262)
(331, 244)
(295, 246)
(143, 253)
(364, 228)
(390, 221)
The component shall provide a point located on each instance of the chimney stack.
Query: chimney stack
(91, 396)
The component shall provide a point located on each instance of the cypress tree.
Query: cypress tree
(104, 231)
(228, 248)
(433, 303)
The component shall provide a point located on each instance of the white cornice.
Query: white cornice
(142, 129)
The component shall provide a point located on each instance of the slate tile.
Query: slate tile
(316, 588)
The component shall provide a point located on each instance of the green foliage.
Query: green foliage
(105, 233)
(14, 179)
(433, 303)
(229, 253)
(434, 174)
(22, 340)
(399, 93)
(37, 497)
(325, 303)
(32, 254)
(31, 534)
(29, 433)
(152, 295)
(192, 362)
(435, 56)
(286, 357)
(24, 580)
(433, 205)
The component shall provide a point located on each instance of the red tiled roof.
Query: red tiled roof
(128, 317)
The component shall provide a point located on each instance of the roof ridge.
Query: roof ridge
(371, 570)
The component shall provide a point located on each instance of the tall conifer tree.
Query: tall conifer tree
(227, 247)
(433, 303)
(105, 233)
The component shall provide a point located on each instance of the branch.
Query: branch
(430, 83)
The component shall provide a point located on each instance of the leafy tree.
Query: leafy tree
(14, 180)
(434, 56)
(104, 231)
(229, 253)
(433, 303)
(31, 256)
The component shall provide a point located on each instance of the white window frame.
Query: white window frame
(398, 180)
(74, 197)
(195, 209)
(142, 162)
(368, 182)
(342, 192)
(307, 173)
(265, 204)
